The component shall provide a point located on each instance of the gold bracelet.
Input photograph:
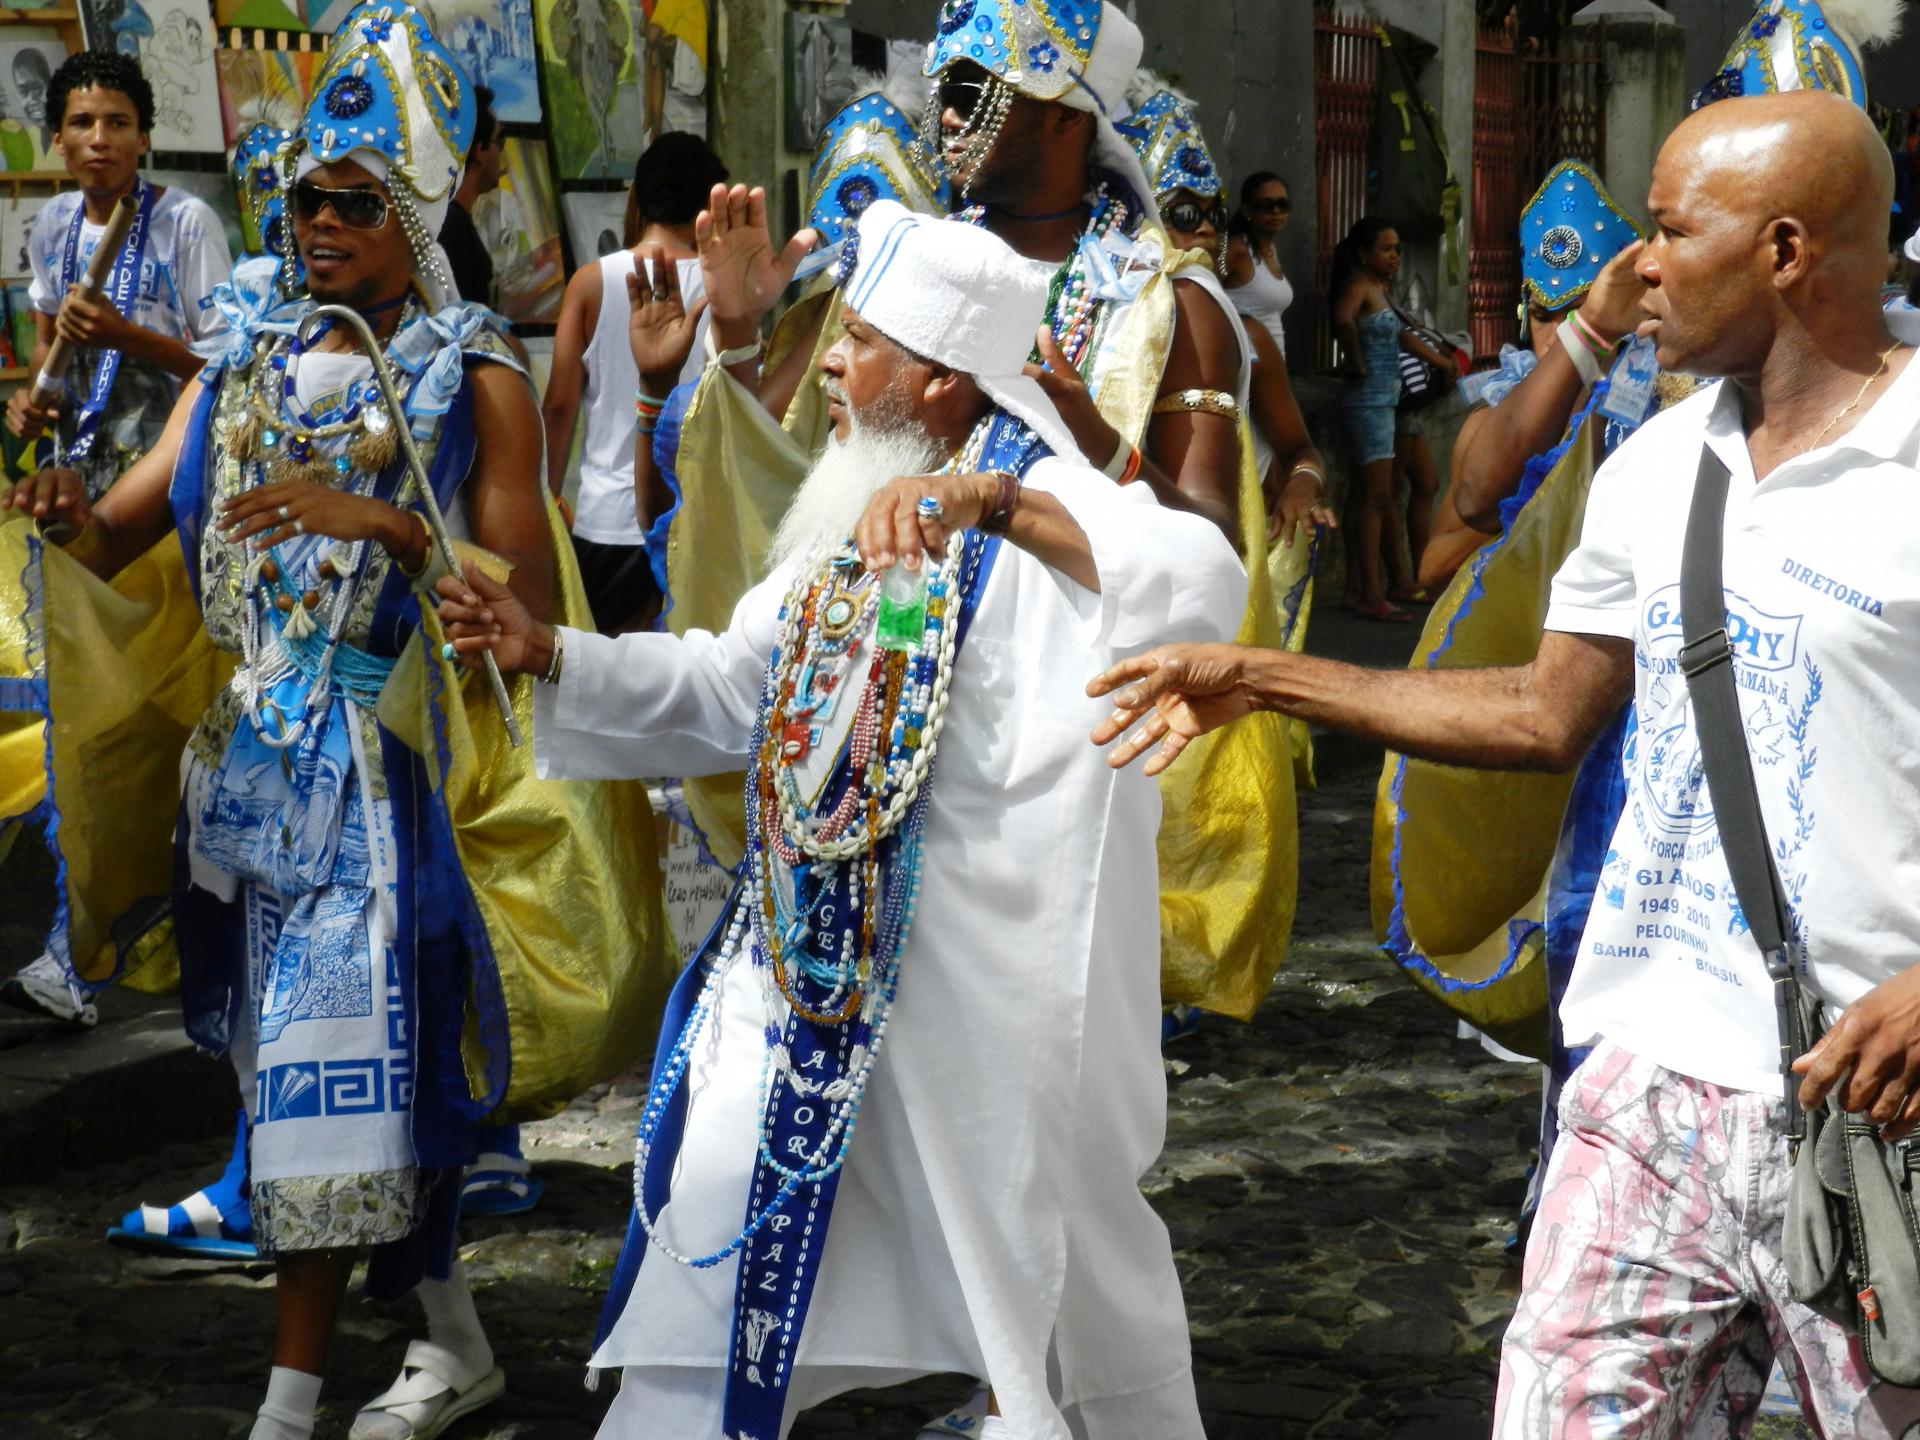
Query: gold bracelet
(426, 553)
(1198, 402)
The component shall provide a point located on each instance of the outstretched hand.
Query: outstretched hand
(744, 275)
(660, 327)
(1174, 695)
(1872, 1057)
(481, 614)
(1063, 385)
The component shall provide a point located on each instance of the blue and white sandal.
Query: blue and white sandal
(498, 1180)
(211, 1224)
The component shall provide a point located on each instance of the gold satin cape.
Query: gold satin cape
(1462, 858)
(1229, 838)
(564, 874)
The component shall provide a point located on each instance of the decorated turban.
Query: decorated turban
(393, 99)
(1078, 53)
(259, 174)
(1803, 45)
(869, 151)
(1167, 138)
(958, 295)
(1569, 230)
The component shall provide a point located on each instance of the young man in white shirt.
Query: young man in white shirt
(1655, 1294)
(129, 346)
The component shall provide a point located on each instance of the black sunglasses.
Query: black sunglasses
(1281, 206)
(356, 209)
(961, 96)
(1188, 215)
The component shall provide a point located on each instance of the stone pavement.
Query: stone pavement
(1340, 1178)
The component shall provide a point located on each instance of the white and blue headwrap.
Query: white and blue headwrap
(869, 151)
(1569, 230)
(260, 174)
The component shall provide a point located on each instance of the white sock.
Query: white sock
(292, 1396)
(452, 1321)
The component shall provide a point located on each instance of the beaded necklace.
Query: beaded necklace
(1072, 309)
(863, 850)
(289, 629)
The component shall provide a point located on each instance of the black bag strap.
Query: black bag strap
(1707, 661)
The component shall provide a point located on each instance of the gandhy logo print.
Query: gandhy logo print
(1761, 640)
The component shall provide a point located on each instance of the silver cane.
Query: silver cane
(430, 506)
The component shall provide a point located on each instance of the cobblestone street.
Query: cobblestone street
(1341, 1179)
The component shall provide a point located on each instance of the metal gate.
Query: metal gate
(1346, 80)
(1531, 110)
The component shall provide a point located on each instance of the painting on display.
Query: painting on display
(216, 188)
(260, 14)
(16, 230)
(28, 58)
(819, 74)
(593, 91)
(596, 223)
(263, 85)
(670, 37)
(172, 41)
(493, 41)
(520, 225)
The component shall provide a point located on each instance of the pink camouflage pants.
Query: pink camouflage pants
(1655, 1301)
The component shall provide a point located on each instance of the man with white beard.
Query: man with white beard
(959, 961)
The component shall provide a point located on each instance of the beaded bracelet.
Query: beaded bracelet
(1585, 364)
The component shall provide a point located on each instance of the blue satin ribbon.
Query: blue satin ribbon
(119, 289)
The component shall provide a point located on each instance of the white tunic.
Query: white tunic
(989, 1219)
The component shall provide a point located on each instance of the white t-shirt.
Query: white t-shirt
(1822, 576)
(186, 257)
(604, 510)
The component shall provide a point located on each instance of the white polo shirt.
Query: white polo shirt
(1822, 576)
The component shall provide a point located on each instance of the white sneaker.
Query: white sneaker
(45, 985)
(965, 1420)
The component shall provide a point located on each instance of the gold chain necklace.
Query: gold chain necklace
(1854, 404)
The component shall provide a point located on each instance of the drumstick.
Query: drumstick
(47, 386)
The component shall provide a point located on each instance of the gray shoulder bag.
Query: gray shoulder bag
(1852, 1242)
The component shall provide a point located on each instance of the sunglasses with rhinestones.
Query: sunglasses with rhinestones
(356, 209)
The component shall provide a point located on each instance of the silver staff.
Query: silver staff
(430, 507)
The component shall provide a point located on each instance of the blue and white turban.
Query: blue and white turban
(1166, 137)
(1803, 45)
(1569, 230)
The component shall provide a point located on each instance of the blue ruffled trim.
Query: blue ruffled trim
(666, 459)
(1398, 943)
(29, 694)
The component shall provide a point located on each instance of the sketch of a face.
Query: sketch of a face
(30, 77)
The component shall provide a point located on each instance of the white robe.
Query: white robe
(989, 1218)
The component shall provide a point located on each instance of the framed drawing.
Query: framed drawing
(593, 92)
(263, 85)
(596, 223)
(493, 40)
(819, 74)
(28, 57)
(670, 37)
(170, 39)
(520, 224)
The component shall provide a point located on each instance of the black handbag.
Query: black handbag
(1852, 1240)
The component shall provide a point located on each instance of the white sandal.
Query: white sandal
(433, 1391)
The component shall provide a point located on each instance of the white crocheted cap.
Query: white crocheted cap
(959, 295)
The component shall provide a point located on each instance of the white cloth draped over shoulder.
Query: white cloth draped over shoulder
(989, 1219)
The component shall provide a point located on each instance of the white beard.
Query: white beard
(835, 493)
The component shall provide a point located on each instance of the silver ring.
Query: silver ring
(299, 528)
(659, 296)
(931, 509)
(285, 514)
